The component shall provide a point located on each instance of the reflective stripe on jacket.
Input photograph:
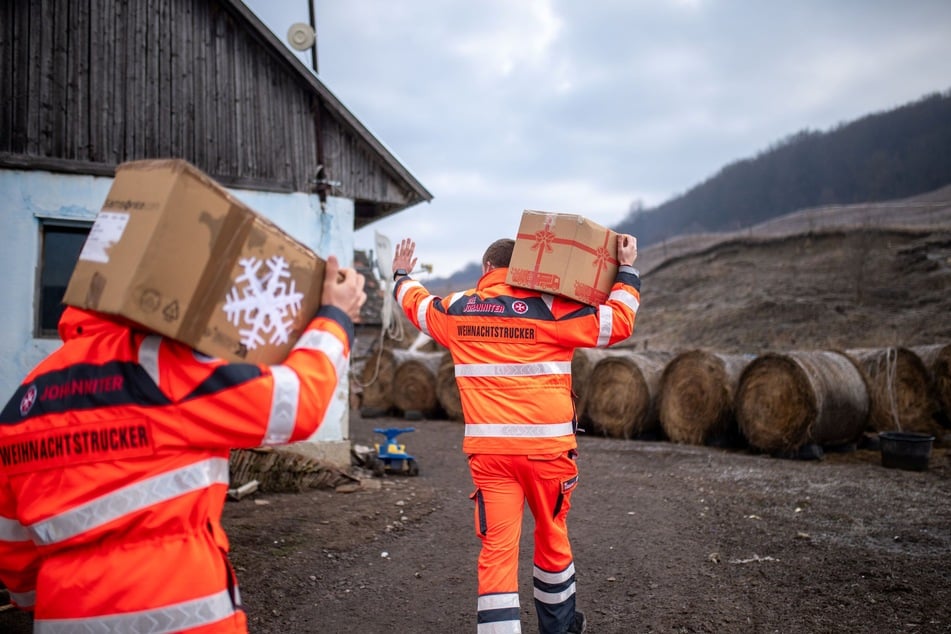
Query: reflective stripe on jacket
(114, 460)
(512, 352)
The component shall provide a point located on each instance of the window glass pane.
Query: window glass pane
(61, 247)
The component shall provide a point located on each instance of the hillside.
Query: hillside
(926, 211)
(843, 277)
(870, 287)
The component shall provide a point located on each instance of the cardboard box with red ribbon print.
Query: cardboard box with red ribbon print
(564, 254)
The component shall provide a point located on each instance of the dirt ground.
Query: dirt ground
(667, 537)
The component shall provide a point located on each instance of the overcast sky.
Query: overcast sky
(585, 107)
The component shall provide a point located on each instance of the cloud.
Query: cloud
(498, 106)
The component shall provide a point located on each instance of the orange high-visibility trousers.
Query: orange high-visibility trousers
(504, 483)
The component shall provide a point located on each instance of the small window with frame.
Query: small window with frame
(61, 242)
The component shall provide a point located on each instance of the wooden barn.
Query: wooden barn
(88, 84)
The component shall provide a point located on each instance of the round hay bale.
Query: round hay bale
(786, 401)
(900, 393)
(414, 381)
(937, 359)
(620, 393)
(376, 382)
(696, 396)
(583, 361)
(447, 390)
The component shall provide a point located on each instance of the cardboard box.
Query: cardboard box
(564, 254)
(178, 254)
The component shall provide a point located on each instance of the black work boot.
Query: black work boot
(578, 624)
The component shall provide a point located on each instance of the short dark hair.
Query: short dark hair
(499, 253)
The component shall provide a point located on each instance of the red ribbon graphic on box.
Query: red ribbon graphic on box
(601, 258)
(542, 241)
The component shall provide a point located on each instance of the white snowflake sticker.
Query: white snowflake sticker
(263, 303)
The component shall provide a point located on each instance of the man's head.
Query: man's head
(498, 255)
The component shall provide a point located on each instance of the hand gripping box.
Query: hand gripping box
(176, 253)
(564, 254)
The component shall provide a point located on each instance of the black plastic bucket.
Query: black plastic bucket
(905, 450)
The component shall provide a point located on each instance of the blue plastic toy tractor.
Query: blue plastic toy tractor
(391, 457)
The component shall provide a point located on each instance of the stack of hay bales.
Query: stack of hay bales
(778, 403)
(374, 373)
(696, 397)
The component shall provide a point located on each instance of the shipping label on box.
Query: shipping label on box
(564, 254)
(176, 253)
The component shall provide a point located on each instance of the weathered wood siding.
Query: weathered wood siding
(88, 84)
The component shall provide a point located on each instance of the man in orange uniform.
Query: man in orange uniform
(114, 467)
(512, 352)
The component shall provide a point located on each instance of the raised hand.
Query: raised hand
(403, 257)
(626, 249)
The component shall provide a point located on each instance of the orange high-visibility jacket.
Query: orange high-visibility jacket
(114, 471)
(512, 350)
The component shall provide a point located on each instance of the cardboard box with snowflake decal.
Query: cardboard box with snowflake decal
(178, 254)
(564, 254)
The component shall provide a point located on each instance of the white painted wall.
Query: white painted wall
(27, 197)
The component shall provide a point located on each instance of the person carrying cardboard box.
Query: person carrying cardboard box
(512, 351)
(114, 456)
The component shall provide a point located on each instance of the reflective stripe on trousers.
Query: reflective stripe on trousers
(554, 597)
(498, 614)
(170, 618)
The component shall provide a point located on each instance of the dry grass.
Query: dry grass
(926, 212)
